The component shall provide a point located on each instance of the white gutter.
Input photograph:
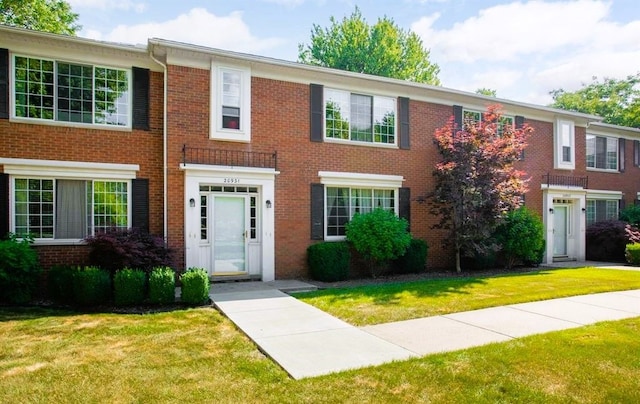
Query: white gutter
(165, 226)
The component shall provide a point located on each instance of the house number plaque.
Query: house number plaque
(231, 181)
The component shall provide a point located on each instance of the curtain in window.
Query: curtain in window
(71, 209)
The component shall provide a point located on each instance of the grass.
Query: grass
(382, 303)
(198, 356)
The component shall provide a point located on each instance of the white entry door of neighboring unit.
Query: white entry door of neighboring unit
(560, 231)
(229, 234)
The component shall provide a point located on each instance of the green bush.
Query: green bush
(631, 215)
(414, 259)
(91, 286)
(162, 285)
(521, 237)
(195, 286)
(632, 254)
(378, 236)
(60, 283)
(329, 261)
(128, 287)
(19, 269)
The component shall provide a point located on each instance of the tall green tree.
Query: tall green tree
(382, 49)
(616, 101)
(476, 181)
(53, 16)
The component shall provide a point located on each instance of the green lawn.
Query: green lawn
(194, 356)
(383, 303)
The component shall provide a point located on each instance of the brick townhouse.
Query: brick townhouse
(241, 162)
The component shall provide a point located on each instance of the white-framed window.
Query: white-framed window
(62, 91)
(471, 117)
(230, 103)
(564, 139)
(360, 117)
(602, 152)
(51, 208)
(601, 209)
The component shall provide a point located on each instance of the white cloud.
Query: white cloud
(109, 4)
(197, 26)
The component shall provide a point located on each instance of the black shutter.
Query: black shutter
(621, 206)
(457, 117)
(317, 212)
(140, 204)
(404, 205)
(317, 112)
(519, 122)
(4, 205)
(140, 98)
(621, 144)
(636, 153)
(403, 115)
(4, 83)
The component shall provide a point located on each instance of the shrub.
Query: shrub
(195, 286)
(378, 236)
(414, 259)
(631, 215)
(19, 270)
(162, 285)
(128, 287)
(91, 286)
(606, 241)
(115, 249)
(632, 254)
(329, 261)
(60, 283)
(520, 237)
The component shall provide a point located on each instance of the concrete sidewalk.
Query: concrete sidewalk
(308, 342)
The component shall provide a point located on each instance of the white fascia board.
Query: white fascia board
(68, 169)
(229, 171)
(333, 178)
(603, 194)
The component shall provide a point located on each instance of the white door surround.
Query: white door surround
(564, 233)
(203, 183)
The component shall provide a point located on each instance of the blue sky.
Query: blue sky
(522, 49)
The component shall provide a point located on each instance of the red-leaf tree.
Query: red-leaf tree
(476, 181)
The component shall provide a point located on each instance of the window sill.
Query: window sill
(231, 136)
(59, 242)
(603, 170)
(47, 122)
(365, 144)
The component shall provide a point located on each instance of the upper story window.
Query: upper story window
(71, 92)
(470, 117)
(360, 117)
(564, 139)
(602, 152)
(231, 103)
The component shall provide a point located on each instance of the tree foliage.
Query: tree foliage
(476, 182)
(382, 49)
(616, 101)
(521, 237)
(53, 16)
(487, 91)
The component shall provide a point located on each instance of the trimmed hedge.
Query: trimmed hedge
(414, 259)
(195, 286)
(129, 287)
(632, 253)
(520, 237)
(91, 286)
(162, 285)
(329, 261)
(19, 270)
(60, 283)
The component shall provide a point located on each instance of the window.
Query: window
(70, 92)
(359, 117)
(470, 117)
(343, 202)
(564, 156)
(69, 209)
(601, 209)
(231, 103)
(602, 152)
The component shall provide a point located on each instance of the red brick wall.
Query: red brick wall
(51, 142)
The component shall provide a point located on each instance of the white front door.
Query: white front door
(559, 231)
(229, 234)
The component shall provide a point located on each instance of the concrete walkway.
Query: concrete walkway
(307, 342)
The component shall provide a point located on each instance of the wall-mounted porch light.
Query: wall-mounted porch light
(551, 210)
(268, 203)
(192, 203)
(584, 210)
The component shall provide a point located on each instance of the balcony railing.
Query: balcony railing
(565, 180)
(234, 158)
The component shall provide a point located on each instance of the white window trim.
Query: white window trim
(558, 163)
(54, 122)
(358, 180)
(607, 170)
(603, 194)
(216, 130)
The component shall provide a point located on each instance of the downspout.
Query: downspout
(165, 226)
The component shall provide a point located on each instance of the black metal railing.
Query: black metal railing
(565, 180)
(234, 158)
